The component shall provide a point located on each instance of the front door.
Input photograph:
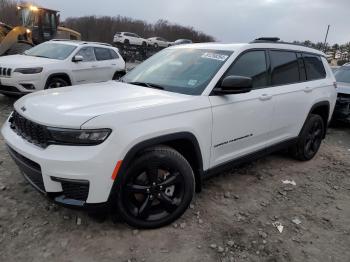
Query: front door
(242, 122)
(85, 71)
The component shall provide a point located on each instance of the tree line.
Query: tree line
(103, 28)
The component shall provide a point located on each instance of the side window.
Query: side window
(87, 53)
(314, 67)
(102, 54)
(251, 64)
(113, 54)
(284, 68)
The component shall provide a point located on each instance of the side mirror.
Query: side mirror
(78, 58)
(234, 85)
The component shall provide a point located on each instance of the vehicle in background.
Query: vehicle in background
(334, 68)
(59, 63)
(158, 42)
(37, 26)
(342, 108)
(141, 146)
(127, 38)
(182, 42)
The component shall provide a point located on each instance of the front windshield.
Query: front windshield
(57, 51)
(343, 74)
(181, 70)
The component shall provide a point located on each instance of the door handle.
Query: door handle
(265, 97)
(308, 89)
(94, 66)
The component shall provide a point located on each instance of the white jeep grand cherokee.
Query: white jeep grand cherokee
(59, 63)
(142, 145)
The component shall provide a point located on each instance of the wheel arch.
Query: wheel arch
(65, 76)
(322, 109)
(184, 142)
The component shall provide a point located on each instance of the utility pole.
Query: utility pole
(325, 40)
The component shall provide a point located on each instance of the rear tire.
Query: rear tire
(156, 189)
(118, 75)
(310, 139)
(18, 48)
(56, 82)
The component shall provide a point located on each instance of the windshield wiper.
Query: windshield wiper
(41, 56)
(150, 85)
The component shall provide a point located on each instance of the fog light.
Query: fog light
(28, 86)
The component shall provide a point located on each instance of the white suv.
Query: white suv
(144, 144)
(158, 42)
(59, 63)
(129, 39)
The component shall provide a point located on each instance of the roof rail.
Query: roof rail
(266, 39)
(276, 40)
(97, 43)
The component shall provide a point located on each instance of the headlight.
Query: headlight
(86, 137)
(34, 70)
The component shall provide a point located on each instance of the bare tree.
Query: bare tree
(103, 29)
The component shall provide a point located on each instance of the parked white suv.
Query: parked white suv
(129, 39)
(144, 144)
(158, 42)
(59, 63)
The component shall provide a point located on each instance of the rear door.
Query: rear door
(292, 91)
(241, 122)
(85, 71)
(106, 64)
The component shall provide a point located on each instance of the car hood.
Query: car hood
(343, 88)
(71, 107)
(25, 61)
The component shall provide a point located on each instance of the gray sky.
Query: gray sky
(229, 20)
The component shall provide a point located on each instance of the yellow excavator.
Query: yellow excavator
(37, 26)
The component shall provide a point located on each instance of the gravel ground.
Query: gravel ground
(235, 218)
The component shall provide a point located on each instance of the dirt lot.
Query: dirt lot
(231, 220)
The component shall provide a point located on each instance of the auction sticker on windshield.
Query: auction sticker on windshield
(215, 56)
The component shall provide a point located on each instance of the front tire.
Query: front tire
(56, 82)
(310, 139)
(156, 189)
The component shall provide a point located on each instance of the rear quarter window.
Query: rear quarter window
(314, 67)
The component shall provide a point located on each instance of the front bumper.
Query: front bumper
(342, 107)
(19, 84)
(70, 175)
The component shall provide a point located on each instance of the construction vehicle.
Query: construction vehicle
(37, 26)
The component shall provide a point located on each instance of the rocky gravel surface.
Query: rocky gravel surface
(274, 209)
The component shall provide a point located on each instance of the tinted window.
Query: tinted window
(314, 67)
(284, 68)
(102, 54)
(114, 54)
(87, 53)
(251, 64)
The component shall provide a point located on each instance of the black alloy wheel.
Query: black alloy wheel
(310, 139)
(56, 82)
(157, 188)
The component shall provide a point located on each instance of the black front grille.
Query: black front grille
(30, 169)
(6, 88)
(30, 131)
(77, 191)
(4, 71)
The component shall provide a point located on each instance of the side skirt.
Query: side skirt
(248, 158)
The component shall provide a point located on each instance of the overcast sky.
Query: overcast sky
(229, 20)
